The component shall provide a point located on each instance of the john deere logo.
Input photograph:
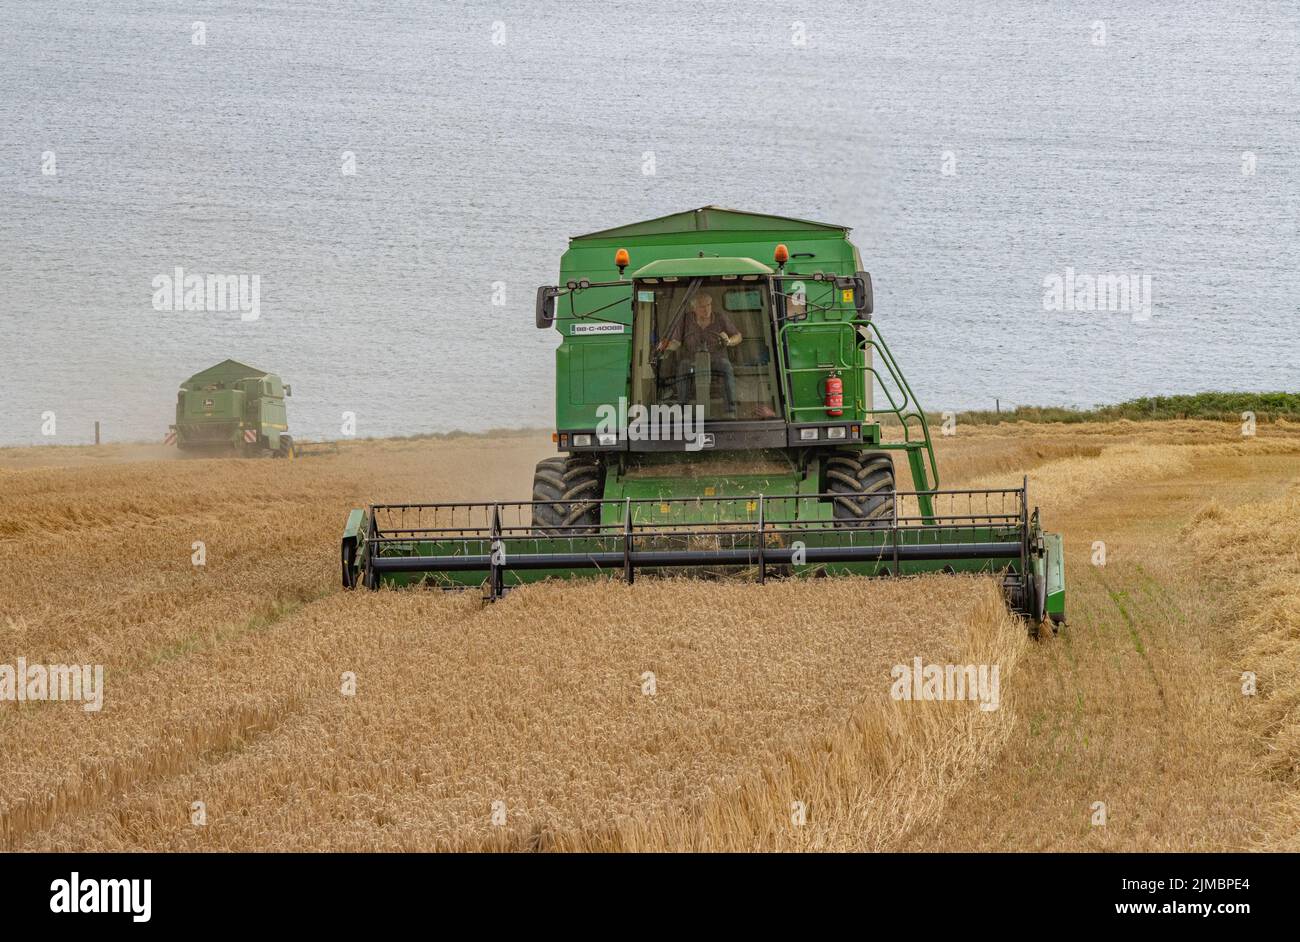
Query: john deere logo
(208, 403)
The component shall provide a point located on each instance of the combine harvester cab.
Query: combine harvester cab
(232, 408)
(715, 414)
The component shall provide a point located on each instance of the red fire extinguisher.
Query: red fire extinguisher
(834, 395)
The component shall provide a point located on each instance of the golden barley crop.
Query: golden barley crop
(672, 714)
(1255, 551)
(582, 716)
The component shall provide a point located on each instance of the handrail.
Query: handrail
(916, 413)
(907, 411)
(787, 371)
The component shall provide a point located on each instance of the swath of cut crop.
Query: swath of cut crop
(1259, 544)
(1058, 485)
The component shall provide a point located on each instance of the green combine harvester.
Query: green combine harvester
(232, 408)
(715, 414)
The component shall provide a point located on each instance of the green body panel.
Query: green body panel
(215, 407)
(814, 350)
(669, 487)
(356, 524)
(1055, 575)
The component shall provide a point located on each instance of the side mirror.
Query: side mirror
(863, 297)
(545, 311)
(288, 390)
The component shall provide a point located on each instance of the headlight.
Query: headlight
(607, 438)
(808, 434)
(837, 432)
(581, 441)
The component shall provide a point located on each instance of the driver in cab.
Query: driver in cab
(702, 331)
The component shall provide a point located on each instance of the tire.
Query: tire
(577, 483)
(286, 446)
(349, 560)
(862, 485)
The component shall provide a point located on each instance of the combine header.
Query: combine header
(715, 415)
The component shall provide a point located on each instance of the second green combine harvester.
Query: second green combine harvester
(714, 413)
(232, 408)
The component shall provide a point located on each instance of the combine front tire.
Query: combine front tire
(574, 484)
(863, 487)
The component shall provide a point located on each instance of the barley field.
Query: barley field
(668, 715)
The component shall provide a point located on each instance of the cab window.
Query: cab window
(705, 342)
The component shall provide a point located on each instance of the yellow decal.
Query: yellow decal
(663, 508)
(710, 491)
(751, 506)
(847, 295)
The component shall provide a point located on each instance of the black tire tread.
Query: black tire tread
(576, 483)
(862, 486)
